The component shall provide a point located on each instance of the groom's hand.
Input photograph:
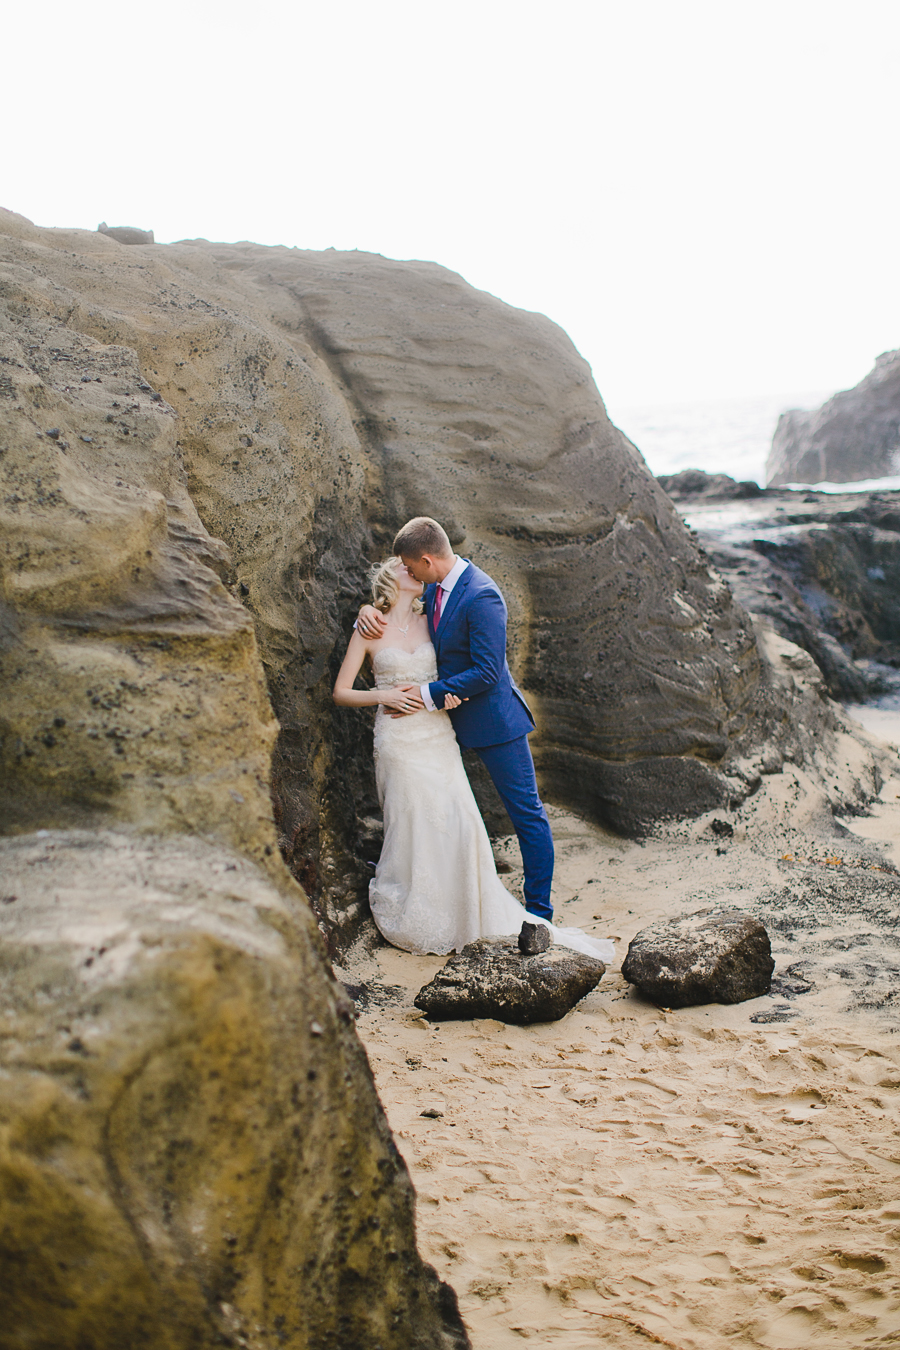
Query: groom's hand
(413, 698)
(371, 623)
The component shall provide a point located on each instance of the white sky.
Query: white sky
(704, 194)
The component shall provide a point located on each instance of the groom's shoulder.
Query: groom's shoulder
(480, 581)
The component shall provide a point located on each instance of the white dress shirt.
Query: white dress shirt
(446, 586)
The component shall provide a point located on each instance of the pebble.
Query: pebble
(534, 938)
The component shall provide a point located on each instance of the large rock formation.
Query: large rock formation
(855, 435)
(191, 1149)
(320, 400)
(297, 407)
(200, 447)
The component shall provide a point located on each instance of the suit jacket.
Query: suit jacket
(470, 642)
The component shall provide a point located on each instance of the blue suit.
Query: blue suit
(470, 642)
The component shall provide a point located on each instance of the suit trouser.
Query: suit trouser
(512, 769)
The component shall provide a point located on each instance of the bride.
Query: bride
(435, 887)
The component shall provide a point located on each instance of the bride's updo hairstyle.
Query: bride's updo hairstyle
(383, 580)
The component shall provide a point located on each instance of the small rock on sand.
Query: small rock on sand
(534, 938)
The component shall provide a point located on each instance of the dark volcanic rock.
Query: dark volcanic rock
(709, 957)
(849, 577)
(534, 938)
(824, 569)
(491, 978)
(855, 435)
(693, 483)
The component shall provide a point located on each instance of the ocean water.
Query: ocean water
(730, 436)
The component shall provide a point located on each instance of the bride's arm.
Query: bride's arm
(347, 697)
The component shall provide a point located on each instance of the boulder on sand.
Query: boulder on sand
(721, 956)
(491, 978)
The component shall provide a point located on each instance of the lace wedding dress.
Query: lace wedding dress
(436, 887)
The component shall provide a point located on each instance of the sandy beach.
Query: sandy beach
(717, 1175)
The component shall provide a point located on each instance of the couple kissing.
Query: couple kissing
(435, 636)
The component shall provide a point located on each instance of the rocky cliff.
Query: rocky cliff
(823, 568)
(211, 441)
(855, 435)
(191, 1151)
(262, 420)
(202, 447)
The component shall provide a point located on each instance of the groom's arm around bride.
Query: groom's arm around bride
(467, 624)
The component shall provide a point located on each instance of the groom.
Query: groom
(467, 622)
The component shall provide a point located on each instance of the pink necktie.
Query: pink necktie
(438, 605)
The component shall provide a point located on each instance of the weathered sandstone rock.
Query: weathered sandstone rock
(134, 697)
(133, 636)
(641, 668)
(192, 1153)
(131, 676)
(201, 446)
(492, 978)
(719, 957)
(296, 407)
(320, 400)
(855, 435)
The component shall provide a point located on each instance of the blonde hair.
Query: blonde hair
(383, 580)
(422, 535)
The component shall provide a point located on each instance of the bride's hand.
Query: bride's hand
(371, 624)
(404, 699)
(451, 701)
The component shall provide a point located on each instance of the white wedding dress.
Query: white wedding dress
(436, 887)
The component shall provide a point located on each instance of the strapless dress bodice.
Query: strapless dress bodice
(392, 665)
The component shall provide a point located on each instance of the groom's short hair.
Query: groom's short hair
(422, 535)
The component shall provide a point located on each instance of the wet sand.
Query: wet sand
(718, 1175)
